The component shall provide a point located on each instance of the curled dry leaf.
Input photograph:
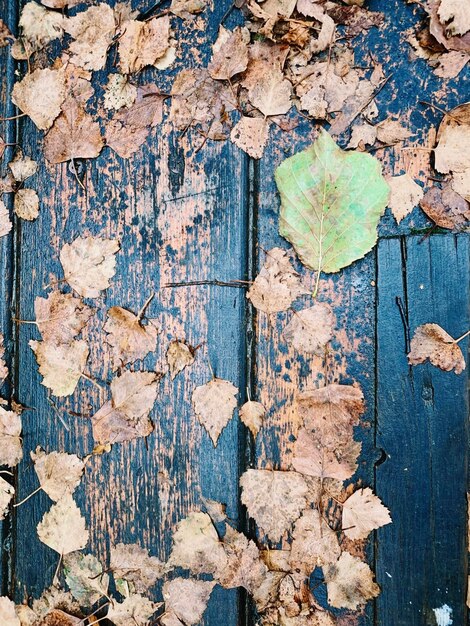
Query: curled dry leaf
(252, 415)
(274, 499)
(60, 317)
(214, 404)
(26, 204)
(11, 451)
(313, 543)
(5, 222)
(93, 31)
(74, 135)
(39, 27)
(136, 610)
(251, 135)
(277, 285)
(129, 339)
(363, 512)
(431, 342)
(8, 614)
(196, 546)
(126, 415)
(85, 577)
(63, 528)
(446, 208)
(230, 53)
(405, 195)
(143, 43)
(309, 330)
(7, 492)
(60, 365)
(178, 356)
(22, 167)
(133, 564)
(89, 263)
(350, 582)
(187, 598)
(119, 92)
(40, 95)
(59, 473)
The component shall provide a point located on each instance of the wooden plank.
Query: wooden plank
(179, 219)
(422, 424)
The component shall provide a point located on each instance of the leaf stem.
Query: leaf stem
(462, 337)
(33, 493)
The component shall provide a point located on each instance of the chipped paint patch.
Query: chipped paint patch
(443, 615)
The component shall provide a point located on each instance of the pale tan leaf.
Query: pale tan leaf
(244, 567)
(129, 339)
(431, 342)
(461, 184)
(142, 43)
(60, 317)
(350, 582)
(229, 53)
(313, 543)
(277, 285)
(40, 95)
(187, 8)
(89, 263)
(405, 195)
(285, 8)
(5, 36)
(196, 546)
(126, 415)
(74, 135)
(39, 26)
(363, 512)
(170, 619)
(8, 616)
(85, 577)
(309, 330)
(251, 135)
(60, 4)
(214, 404)
(178, 356)
(11, 451)
(187, 598)
(133, 564)
(60, 365)
(22, 167)
(450, 64)
(119, 92)
(455, 15)
(327, 32)
(391, 131)
(362, 135)
(274, 499)
(26, 204)
(252, 415)
(59, 473)
(136, 610)
(63, 528)
(452, 153)
(93, 31)
(272, 93)
(7, 492)
(5, 222)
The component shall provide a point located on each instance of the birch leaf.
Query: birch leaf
(142, 43)
(93, 31)
(63, 528)
(214, 403)
(179, 355)
(59, 473)
(129, 339)
(133, 564)
(309, 330)
(252, 415)
(350, 582)
(61, 316)
(136, 610)
(331, 203)
(432, 342)
(405, 195)
(187, 598)
(85, 578)
(11, 451)
(5, 222)
(61, 365)
(363, 512)
(26, 204)
(40, 95)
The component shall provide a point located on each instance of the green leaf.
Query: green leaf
(331, 203)
(85, 578)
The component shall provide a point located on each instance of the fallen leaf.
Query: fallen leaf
(93, 31)
(170, 619)
(452, 153)
(309, 330)
(142, 43)
(450, 64)
(350, 582)
(85, 577)
(331, 203)
(62, 528)
(60, 365)
(277, 285)
(244, 567)
(129, 339)
(326, 35)
(455, 15)
(362, 135)
(22, 167)
(313, 543)
(391, 131)
(285, 8)
(133, 564)
(119, 92)
(89, 263)
(40, 95)
(59, 618)
(273, 499)
(216, 510)
(178, 356)
(446, 207)
(460, 183)
(8, 614)
(405, 195)
(229, 53)
(363, 512)
(187, 598)
(5, 222)
(186, 8)
(136, 610)
(26, 204)
(7, 492)
(11, 451)
(431, 342)
(59, 473)
(252, 415)
(60, 317)
(272, 93)
(214, 403)
(39, 26)
(196, 546)
(126, 415)
(54, 598)
(251, 135)
(74, 135)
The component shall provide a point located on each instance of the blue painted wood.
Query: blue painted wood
(422, 425)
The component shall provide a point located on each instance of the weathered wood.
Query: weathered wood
(422, 426)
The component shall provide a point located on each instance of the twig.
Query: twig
(240, 284)
(404, 320)
(434, 106)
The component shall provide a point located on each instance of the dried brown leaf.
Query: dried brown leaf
(244, 567)
(309, 330)
(11, 451)
(129, 339)
(59, 473)
(136, 610)
(5, 222)
(93, 31)
(391, 131)
(39, 26)
(60, 365)
(214, 404)
(40, 95)
(7, 492)
(63, 528)
(85, 578)
(187, 598)
(119, 92)
(405, 195)
(350, 583)
(133, 564)
(363, 512)
(252, 415)
(22, 167)
(229, 53)
(272, 93)
(60, 317)
(178, 356)
(8, 616)
(446, 208)
(5, 36)
(216, 510)
(313, 543)
(143, 43)
(455, 16)
(26, 204)
(431, 342)
(251, 135)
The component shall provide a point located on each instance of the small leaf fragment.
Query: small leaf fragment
(7, 492)
(433, 343)
(133, 564)
(214, 404)
(350, 582)
(446, 208)
(11, 451)
(5, 222)
(62, 528)
(187, 598)
(178, 356)
(136, 610)
(8, 616)
(252, 414)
